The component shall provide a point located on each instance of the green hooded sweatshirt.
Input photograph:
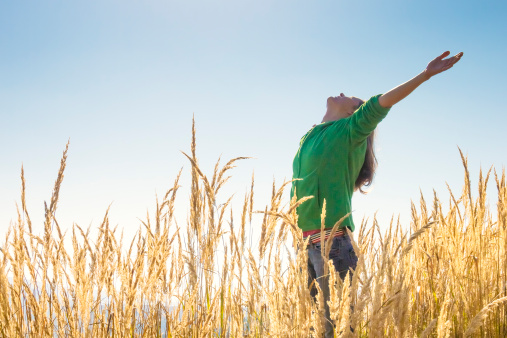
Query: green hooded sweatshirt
(328, 162)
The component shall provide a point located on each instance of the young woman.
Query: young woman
(336, 158)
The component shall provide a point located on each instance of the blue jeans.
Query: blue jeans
(343, 257)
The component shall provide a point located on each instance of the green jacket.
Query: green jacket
(328, 162)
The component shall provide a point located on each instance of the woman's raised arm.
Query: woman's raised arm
(437, 65)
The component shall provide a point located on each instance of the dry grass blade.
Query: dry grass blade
(23, 200)
(477, 321)
(415, 235)
(427, 331)
(56, 190)
(332, 233)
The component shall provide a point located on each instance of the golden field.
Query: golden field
(445, 277)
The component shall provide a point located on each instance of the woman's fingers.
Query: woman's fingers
(444, 54)
(452, 60)
(457, 57)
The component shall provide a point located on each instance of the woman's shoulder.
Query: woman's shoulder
(335, 127)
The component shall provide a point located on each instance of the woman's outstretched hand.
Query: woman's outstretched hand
(439, 64)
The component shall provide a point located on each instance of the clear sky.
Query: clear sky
(122, 80)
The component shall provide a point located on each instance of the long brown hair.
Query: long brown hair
(367, 171)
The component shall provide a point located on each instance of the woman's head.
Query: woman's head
(339, 107)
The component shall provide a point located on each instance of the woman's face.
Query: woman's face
(343, 106)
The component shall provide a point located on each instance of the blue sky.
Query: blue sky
(122, 80)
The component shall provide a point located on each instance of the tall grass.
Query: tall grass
(445, 277)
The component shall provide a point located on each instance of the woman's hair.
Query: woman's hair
(367, 171)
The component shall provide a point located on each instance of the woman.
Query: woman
(334, 159)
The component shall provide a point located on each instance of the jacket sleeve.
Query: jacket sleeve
(365, 119)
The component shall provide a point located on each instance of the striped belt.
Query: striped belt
(315, 235)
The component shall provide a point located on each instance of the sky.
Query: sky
(122, 81)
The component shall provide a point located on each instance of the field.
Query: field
(445, 277)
